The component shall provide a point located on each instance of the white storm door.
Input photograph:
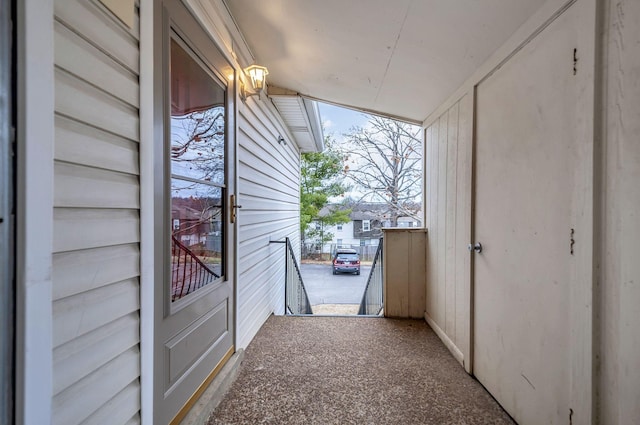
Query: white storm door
(194, 301)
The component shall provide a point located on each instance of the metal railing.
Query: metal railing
(188, 272)
(372, 299)
(296, 300)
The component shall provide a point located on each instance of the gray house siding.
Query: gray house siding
(268, 190)
(96, 362)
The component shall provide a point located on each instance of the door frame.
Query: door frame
(7, 190)
(582, 351)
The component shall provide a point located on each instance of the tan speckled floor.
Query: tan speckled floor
(343, 370)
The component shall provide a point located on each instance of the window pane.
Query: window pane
(197, 236)
(197, 120)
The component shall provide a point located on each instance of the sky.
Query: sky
(338, 120)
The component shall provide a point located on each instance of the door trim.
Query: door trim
(7, 235)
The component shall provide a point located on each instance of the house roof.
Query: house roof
(360, 210)
(399, 58)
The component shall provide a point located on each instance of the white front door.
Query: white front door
(194, 327)
(525, 162)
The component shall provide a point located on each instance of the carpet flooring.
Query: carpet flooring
(343, 370)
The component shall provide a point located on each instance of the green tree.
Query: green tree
(321, 178)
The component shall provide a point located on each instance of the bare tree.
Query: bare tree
(384, 161)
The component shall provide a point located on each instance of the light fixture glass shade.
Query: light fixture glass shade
(258, 75)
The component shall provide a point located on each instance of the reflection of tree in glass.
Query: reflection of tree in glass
(197, 144)
(198, 207)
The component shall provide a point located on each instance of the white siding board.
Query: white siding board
(135, 420)
(450, 226)
(256, 151)
(76, 229)
(262, 189)
(448, 207)
(86, 312)
(264, 230)
(255, 307)
(81, 356)
(269, 193)
(96, 257)
(85, 61)
(261, 261)
(120, 409)
(79, 271)
(263, 216)
(74, 405)
(79, 186)
(254, 161)
(81, 144)
(442, 221)
(462, 335)
(101, 30)
(106, 112)
(269, 132)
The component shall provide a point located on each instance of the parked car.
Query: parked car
(346, 261)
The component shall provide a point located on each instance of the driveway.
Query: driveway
(323, 287)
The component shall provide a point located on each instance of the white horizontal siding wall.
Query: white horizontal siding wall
(269, 192)
(96, 256)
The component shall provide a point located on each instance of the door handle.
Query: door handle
(233, 208)
(477, 247)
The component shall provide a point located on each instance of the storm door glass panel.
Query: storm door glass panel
(197, 152)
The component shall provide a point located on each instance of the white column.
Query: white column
(34, 222)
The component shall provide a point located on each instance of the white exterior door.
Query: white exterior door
(526, 140)
(195, 238)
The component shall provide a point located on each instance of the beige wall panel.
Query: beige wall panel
(79, 143)
(441, 307)
(619, 294)
(432, 226)
(448, 197)
(462, 335)
(396, 290)
(450, 218)
(404, 283)
(427, 212)
(417, 274)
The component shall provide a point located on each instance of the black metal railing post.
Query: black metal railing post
(296, 300)
(372, 299)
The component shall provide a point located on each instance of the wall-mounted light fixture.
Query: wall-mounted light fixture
(281, 141)
(258, 75)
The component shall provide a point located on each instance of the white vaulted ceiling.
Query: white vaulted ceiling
(397, 57)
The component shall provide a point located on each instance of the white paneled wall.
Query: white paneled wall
(96, 362)
(448, 145)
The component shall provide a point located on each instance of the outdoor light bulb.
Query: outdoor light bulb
(258, 75)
